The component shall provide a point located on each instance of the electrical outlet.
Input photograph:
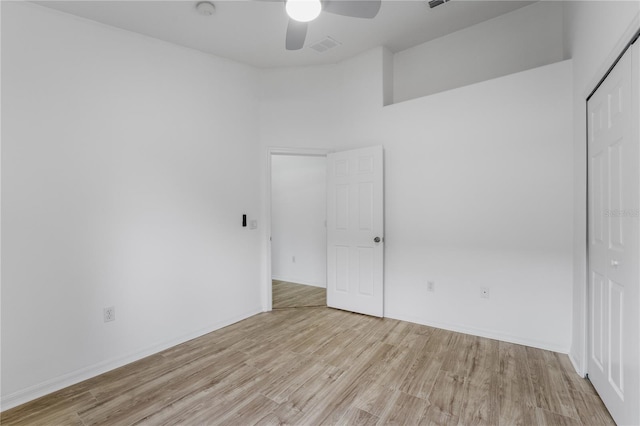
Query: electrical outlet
(431, 286)
(109, 314)
(484, 292)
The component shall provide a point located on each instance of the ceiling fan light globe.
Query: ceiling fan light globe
(303, 10)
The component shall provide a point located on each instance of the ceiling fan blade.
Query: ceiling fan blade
(354, 8)
(296, 33)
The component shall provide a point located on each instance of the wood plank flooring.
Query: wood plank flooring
(314, 366)
(291, 295)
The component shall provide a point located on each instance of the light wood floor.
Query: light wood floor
(290, 295)
(322, 366)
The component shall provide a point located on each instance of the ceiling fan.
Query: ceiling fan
(301, 12)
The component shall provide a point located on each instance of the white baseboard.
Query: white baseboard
(576, 365)
(66, 380)
(489, 334)
(298, 281)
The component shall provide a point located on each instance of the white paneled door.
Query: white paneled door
(614, 237)
(355, 234)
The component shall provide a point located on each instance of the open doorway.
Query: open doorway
(298, 230)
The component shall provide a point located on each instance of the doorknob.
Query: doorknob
(614, 263)
(376, 240)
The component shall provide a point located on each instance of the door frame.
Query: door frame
(271, 151)
(624, 43)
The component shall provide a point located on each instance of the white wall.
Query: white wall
(127, 164)
(298, 213)
(293, 100)
(526, 38)
(478, 194)
(596, 31)
(478, 188)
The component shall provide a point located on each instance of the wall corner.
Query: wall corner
(387, 77)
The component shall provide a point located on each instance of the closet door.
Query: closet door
(614, 236)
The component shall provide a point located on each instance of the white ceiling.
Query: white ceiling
(253, 31)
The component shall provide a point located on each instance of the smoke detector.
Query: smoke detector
(205, 8)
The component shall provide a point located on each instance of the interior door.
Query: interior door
(355, 230)
(614, 258)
